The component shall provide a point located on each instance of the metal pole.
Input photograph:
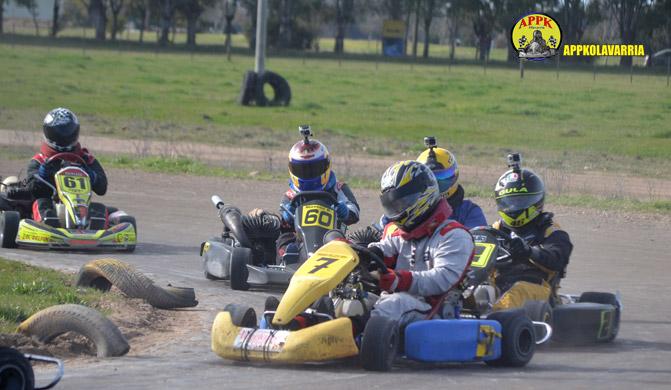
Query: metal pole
(260, 61)
(521, 68)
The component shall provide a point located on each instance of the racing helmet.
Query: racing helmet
(444, 166)
(61, 129)
(409, 194)
(309, 163)
(519, 194)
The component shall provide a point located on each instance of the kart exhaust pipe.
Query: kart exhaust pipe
(231, 217)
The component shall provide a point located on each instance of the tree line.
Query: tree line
(298, 24)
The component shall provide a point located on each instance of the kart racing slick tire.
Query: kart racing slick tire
(9, 228)
(103, 273)
(380, 344)
(53, 321)
(131, 220)
(539, 311)
(241, 315)
(595, 318)
(238, 268)
(16, 373)
(518, 339)
(281, 90)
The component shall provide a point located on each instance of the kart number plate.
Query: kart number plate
(483, 252)
(74, 182)
(261, 340)
(318, 215)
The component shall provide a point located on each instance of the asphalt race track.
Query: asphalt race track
(174, 214)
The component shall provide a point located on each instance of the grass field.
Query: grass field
(26, 289)
(574, 121)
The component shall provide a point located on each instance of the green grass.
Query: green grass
(26, 289)
(575, 121)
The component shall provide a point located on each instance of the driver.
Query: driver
(310, 170)
(540, 250)
(428, 255)
(61, 135)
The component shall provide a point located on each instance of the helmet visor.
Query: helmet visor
(396, 201)
(515, 203)
(446, 178)
(308, 169)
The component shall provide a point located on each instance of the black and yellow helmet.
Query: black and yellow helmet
(519, 194)
(444, 166)
(409, 193)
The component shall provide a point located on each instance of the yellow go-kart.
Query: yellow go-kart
(108, 229)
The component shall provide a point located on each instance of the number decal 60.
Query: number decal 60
(316, 215)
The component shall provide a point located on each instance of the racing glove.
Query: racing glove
(287, 213)
(48, 169)
(519, 249)
(342, 210)
(91, 173)
(395, 281)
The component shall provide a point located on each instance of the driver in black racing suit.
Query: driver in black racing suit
(540, 250)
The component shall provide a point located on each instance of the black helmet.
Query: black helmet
(61, 129)
(519, 194)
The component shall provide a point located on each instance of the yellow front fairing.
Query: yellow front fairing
(74, 191)
(36, 234)
(320, 274)
(326, 341)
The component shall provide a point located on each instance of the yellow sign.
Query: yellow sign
(393, 29)
(536, 36)
(318, 215)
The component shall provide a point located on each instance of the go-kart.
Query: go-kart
(576, 319)
(245, 254)
(17, 373)
(324, 315)
(79, 228)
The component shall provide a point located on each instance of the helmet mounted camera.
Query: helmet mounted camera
(432, 161)
(515, 162)
(306, 132)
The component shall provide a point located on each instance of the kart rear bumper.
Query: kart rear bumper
(329, 340)
(38, 235)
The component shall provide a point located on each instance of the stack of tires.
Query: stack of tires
(252, 91)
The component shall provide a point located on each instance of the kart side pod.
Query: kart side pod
(463, 340)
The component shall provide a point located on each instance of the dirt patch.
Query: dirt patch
(145, 327)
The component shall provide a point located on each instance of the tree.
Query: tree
(115, 7)
(344, 15)
(140, 11)
(192, 9)
(2, 15)
(415, 35)
(628, 15)
(98, 17)
(285, 24)
(31, 7)
(429, 8)
(54, 18)
(167, 13)
(483, 27)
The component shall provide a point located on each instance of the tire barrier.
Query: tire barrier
(52, 322)
(104, 273)
(252, 90)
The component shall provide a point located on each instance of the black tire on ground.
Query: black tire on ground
(380, 344)
(16, 373)
(248, 89)
(238, 270)
(131, 220)
(9, 228)
(539, 311)
(103, 273)
(53, 321)
(241, 315)
(585, 323)
(280, 86)
(518, 340)
(606, 299)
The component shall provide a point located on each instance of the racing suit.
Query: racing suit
(464, 211)
(534, 278)
(43, 207)
(338, 189)
(435, 257)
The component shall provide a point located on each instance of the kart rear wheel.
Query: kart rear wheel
(380, 344)
(539, 311)
(585, 323)
(16, 373)
(238, 271)
(131, 220)
(9, 228)
(606, 299)
(518, 339)
(241, 315)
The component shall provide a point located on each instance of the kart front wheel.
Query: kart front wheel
(518, 339)
(238, 269)
(9, 228)
(15, 370)
(539, 311)
(380, 344)
(131, 220)
(241, 315)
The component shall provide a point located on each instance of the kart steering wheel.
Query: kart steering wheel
(67, 156)
(503, 239)
(299, 196)
(372, 256)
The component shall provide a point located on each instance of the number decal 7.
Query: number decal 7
(326, 261)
